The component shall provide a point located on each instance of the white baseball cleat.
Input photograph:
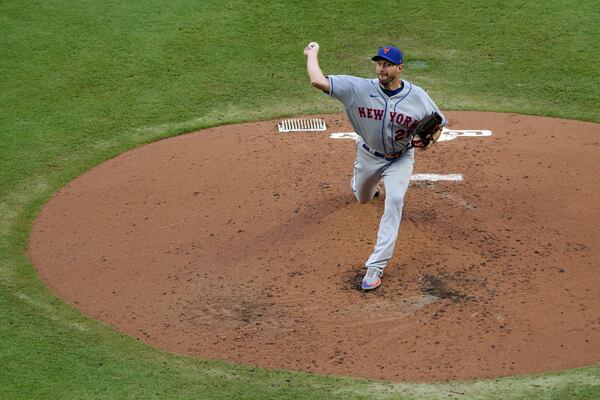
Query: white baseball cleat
(372, 279)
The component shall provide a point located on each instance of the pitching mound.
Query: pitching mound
(244, 244)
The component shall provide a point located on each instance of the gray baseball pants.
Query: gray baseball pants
(368, 171)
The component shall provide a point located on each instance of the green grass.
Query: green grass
(81, 82)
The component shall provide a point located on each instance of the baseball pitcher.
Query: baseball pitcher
(392, 117)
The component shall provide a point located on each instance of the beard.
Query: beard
(385, 80)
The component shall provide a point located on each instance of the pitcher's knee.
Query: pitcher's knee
(395, 198)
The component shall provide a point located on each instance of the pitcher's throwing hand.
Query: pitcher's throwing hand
(312, 47)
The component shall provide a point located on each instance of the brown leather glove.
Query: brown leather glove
(427, 131)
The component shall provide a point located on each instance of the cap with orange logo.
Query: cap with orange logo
(389, 53)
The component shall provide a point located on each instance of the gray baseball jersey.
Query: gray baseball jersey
(384, 123)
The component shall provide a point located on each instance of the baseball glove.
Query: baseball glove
(427, 131)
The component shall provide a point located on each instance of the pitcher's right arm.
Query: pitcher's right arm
(317, 78)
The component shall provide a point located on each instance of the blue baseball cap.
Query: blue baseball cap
(389, 53)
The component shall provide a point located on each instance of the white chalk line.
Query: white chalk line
(451, 134)
(49, 311)
(415, 177)
(447, 134)
(436, 177)
(344, 135)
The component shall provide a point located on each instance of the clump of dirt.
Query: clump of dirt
(438, 287)
(354, 280)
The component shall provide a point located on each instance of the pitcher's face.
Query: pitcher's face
(387, 72)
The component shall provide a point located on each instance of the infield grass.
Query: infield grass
(81, 82)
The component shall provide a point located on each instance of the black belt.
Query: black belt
(389, 156)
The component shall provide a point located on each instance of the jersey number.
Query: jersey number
(400, 134)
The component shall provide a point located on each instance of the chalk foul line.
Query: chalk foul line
(436, 177)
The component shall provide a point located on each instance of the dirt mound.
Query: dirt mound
(244, 244)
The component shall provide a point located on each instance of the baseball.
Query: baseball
(313, 47)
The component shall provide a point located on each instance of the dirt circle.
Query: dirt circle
(244, 244)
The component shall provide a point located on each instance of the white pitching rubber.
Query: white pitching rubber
(301, 125)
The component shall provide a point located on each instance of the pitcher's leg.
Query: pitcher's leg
(396, 179)
(367, 170)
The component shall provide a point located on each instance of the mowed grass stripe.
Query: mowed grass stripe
(81, 82)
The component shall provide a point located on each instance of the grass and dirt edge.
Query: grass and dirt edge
(124, 365)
